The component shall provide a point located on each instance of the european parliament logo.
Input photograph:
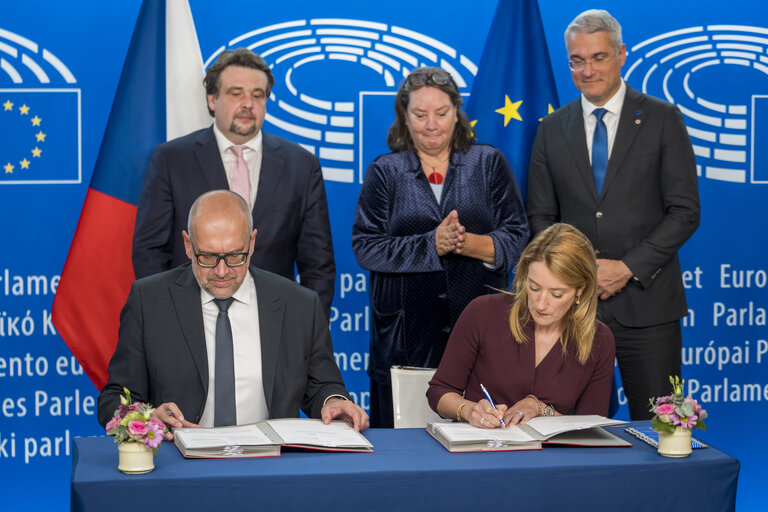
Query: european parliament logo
(40, 126)
(718, 76)
(336, 80)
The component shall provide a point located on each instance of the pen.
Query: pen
(488, 396)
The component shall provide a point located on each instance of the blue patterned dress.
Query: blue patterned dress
(416, 296)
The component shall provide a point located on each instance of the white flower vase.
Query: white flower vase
(135, 458)
(677, 444)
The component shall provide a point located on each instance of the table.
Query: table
(410, 471)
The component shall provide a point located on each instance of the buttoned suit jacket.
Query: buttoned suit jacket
(648, 206)
(161, 352)
(290, 211)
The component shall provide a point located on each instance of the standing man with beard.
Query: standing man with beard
(281, 181)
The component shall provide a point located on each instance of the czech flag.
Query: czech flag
(160, 96)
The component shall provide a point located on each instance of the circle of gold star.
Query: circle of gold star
(24, 110)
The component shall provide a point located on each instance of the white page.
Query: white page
(464, 432)
(300, 431)
(241, 435)
(550, 425)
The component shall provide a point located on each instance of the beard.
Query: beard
(245, 131)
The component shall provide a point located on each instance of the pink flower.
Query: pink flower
(688, 422)
(665, 409)
(137, 429)
(159, 424)
(112, 424)
(153, 440)
(154, 434)
(699, 410)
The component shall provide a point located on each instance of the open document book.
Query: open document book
(568, 430)
(265, 438)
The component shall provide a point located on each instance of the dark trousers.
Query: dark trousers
(647, 357)
(381, 406)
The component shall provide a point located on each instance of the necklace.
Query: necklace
(434, 177)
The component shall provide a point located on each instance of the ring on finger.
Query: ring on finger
(521, 413)
(482, 421)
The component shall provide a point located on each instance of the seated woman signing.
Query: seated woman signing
(538, 351)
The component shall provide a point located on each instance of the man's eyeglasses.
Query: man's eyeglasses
(597, 62)
(431, 78)
(232, 259)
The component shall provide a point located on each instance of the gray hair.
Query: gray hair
(596, 20)
(218, 199)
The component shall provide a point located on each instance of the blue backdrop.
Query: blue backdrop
(337, 66)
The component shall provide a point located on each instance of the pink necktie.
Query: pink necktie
(241, 179)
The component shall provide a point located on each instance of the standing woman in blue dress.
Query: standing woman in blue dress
(439, 222)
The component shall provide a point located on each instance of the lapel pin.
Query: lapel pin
(637, 121)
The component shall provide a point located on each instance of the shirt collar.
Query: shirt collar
(243, 294)
(613, 105)
(224, 143)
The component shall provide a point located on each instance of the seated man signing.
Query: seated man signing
(216, 342)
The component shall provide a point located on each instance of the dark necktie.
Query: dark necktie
(599, 150)
(224, 373)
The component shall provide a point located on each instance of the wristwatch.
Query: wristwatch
(549, 411)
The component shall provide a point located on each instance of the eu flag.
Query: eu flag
(159, 96)
(41, 136)
(514, 87)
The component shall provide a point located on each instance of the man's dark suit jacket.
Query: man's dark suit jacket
(290, 213)
(161, 352)
(648, 208)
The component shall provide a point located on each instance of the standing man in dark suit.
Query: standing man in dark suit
(281, 181)
(619, 165)
(217, 343)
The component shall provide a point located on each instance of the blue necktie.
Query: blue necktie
(599, 150)
(224, 369)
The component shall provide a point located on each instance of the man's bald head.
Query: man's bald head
(220, 204)
(220, 241)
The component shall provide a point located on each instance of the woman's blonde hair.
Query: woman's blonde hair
(570, 257)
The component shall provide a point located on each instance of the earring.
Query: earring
(577, 300)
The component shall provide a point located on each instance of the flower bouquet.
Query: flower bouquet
(137, 434)
(674, 417)
(676, 411)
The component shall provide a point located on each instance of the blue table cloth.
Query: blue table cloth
(410, 471)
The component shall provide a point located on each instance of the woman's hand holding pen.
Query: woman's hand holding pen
(483, 415)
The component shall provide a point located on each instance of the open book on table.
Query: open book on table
(264, 439)
(582, 430)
